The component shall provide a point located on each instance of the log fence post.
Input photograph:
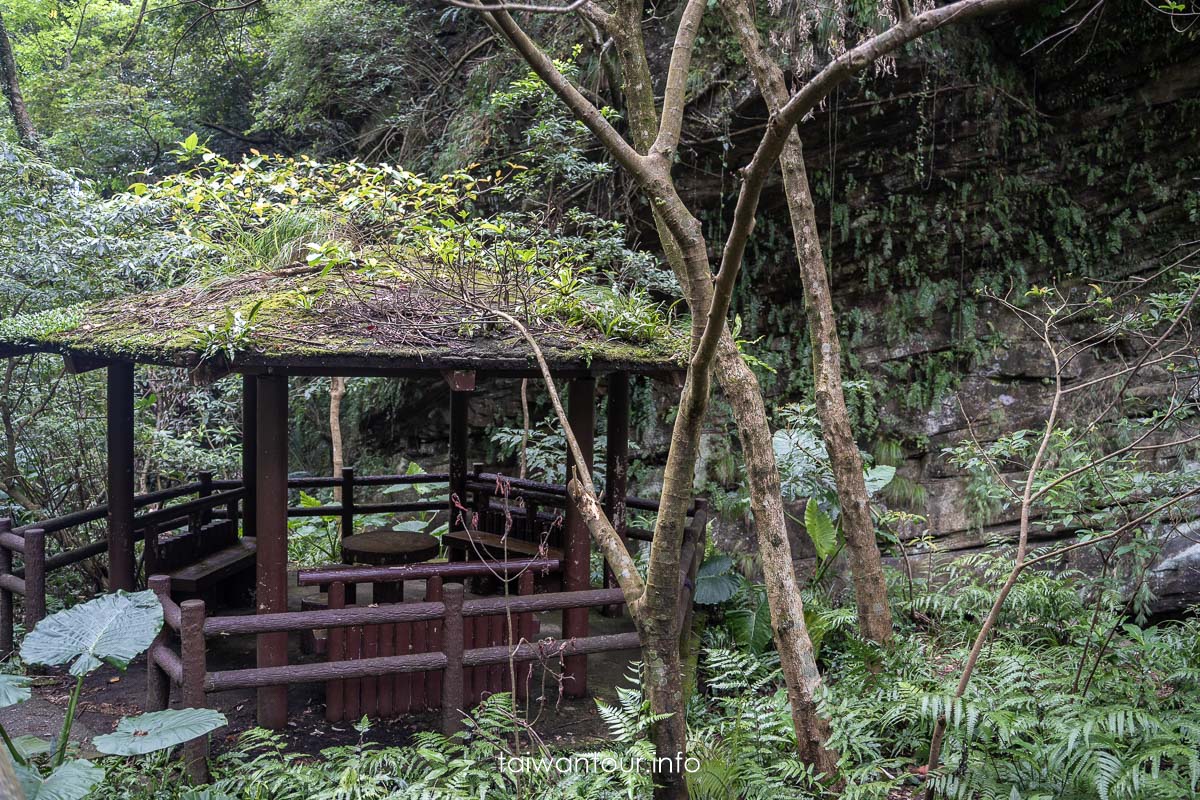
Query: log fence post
(347, 501)
(198, 518)
(335, 650)
(452, 646)
(194, 658)
(35, 577)
(158, 684)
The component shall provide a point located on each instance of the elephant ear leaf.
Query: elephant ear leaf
(750, 623)
(878, 477)
(820, 530)
(158, 730)
(71, 781)
(715, 581)
(13, 689)
(112, 629)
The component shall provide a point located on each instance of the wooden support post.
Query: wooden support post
(203, 516)
(577, 544)
(6, 597)
(271, 528)
(525, 631)
(249, 453)
(453, 701)
(158, 684)
(122, 568)
(616, 469)
(459, 433)
(35, 577)
(195, 664)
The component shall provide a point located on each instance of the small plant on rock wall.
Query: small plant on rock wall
(112, 629)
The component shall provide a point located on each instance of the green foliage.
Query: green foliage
(553, 150)
(336, 70)
(820, 529)
(112, 629)
(716, 582)
(545, 450)
(13, 689)
(158, 730)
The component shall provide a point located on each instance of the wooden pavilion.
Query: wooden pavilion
(353, 321)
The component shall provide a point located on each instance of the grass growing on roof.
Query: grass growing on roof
(309, 259)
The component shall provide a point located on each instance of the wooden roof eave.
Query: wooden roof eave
(82, 359)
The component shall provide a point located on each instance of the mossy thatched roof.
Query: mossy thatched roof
(340, 321)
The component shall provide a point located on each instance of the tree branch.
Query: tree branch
(507, 7)
(579, 105)
(675, 93)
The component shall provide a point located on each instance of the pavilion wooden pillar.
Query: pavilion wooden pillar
(616, 467)
(249, 454)
(462, 385)
(122, 564)
(271, 529)
(577, 544)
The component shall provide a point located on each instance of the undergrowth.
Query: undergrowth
(1071, 701)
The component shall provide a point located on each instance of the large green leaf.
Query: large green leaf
(820, 530)
(878, 477)
(158, 730)
(750, 623)
(13, 689)
(72, 781)
(716, 581)
(30, 746)
(112, 629)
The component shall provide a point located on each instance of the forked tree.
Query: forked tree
(647, 158)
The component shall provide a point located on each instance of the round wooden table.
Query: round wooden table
(381, 547)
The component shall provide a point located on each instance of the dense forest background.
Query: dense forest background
(991, 162)
(1043, 162)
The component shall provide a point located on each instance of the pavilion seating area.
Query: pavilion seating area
(211, 541)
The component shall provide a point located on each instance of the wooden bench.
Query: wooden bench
(206, 574)
(206, 561)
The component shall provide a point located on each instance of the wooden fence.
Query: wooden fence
(25, 562)
(463, 668)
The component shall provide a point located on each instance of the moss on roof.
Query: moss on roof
(351, 317)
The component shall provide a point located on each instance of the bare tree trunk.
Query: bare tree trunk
(653, 603)
(796, 657)
(874, 615)
(337, 390)
(741, 388)
(26, 133)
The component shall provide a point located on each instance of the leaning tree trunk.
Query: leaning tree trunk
(801, 675)
(740, 386)
(874, 615)
(26, 133)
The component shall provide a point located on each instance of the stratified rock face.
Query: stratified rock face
(978, 166)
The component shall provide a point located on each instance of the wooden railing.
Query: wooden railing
(188, 670)
(25, 561)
